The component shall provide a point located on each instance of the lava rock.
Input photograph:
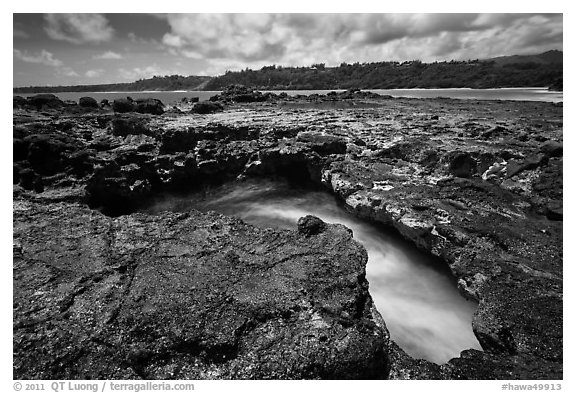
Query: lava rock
(127, 125)
(173, 141)
(30, 180)
(552, 149)
(492, 132)
(19, 102)
(105, 104)
(149, 105)
(554, 210)
(310, 225)
(323, 144)
(152, 283)
(239, 93)
(462, 165)
(45, 101)
(123, 105)
(46, 152)
(514, 167)
(206, 107)
(88, 102)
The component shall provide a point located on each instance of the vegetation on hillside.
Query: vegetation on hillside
(389, 75)
(156, 83)
(545, 69)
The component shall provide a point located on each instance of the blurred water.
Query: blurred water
(415, 294)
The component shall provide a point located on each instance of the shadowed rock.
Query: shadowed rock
(45, 101)
(187, 296)
(88, 102)
(310, 225)
(123, 105)
(149, 105)
(206, 107)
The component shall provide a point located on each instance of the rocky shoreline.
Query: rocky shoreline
(101, 291)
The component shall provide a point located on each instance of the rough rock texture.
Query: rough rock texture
(38, 102)
(205, 107)
(88, 102)
(149, 105)
(239, 93)
(187, 296)
(123, 105)
(476, 183)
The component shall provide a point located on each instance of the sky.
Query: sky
(91, 48)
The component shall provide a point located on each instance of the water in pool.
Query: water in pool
(415, 294)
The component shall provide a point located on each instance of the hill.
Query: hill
(545, 69)
(550, 57)
(512, 71)
(157, 83)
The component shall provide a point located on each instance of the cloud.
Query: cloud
(78, 28)
(250, 40)
(44, 57)
(19, 33)
(109, 55)
(145, 72)
(242, 36)
(94, 73)
(67, 71)
(142, 41)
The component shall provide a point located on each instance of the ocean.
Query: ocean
(172, 97)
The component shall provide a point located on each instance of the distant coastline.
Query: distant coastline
(173, 97)
(545, 69)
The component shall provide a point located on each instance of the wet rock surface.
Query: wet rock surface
(476, 183)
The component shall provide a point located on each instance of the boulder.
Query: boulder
(239, 93)
(123, 105)
(149, 105)
(206, 107)
(45, 101)
(88, 102)
(310, 225)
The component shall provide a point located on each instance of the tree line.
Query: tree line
(391, 75)
(156, 83)
(381, 75)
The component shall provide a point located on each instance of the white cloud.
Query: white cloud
(94, 73)
(67, 71)
(146, 72)
(78, 28)
(44, 57)
(109, 55)
(249, 40)
(173, 40)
